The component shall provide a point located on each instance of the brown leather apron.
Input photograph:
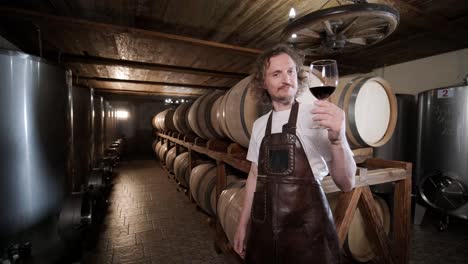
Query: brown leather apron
(291, 221)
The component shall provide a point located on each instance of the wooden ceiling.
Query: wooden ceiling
(189, 47)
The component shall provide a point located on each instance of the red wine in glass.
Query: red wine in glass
(322, 92)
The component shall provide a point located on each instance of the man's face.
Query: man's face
(281, 79)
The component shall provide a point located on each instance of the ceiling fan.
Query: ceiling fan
(342, 28)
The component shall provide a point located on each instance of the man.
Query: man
(285, 206)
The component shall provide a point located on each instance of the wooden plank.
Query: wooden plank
(221, 181)
(373, 177)
(402, 217)
(86, 24)
(101, 79)
(105, 90)
(151, 66)
(237, 151)
(344, 212)
(374, 226)
(242, 165)
(382, 163)
(189, 138)
(217, 145)
(200, 141)
(191, 165)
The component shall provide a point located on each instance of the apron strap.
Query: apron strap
(268, 127)
(290, 127)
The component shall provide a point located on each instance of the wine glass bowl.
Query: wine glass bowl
(327, 72)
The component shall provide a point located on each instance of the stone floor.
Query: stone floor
(149, 221)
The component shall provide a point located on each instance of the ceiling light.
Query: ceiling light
(292, 13)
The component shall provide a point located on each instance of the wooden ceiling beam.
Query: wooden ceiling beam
(72, 58)
(139, 92)
(448, 30)
(101, 79)
(91, 25)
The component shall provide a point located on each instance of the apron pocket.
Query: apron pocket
(259, 207)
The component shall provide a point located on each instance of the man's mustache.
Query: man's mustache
(285, 86)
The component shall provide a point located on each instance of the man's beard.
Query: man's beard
(285, 100)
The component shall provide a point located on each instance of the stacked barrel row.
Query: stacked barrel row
(201, 180)
(216, 115)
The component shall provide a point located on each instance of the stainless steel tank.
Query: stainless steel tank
(34, 140)
(82, 133)
(98, 124)
(442, 149)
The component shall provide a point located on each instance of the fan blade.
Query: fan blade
(368, 35)
(303, 39)
(328, 28)
(371, 28)
(349, 25)
(309, 33)
(313, 51)
(373, 23)
(307, 45)
(359, 41)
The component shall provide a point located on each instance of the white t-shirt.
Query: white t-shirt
(314, 141)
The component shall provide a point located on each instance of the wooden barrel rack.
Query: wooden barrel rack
(371, 171)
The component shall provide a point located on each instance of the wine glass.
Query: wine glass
(326, 73)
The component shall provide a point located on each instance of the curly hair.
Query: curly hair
(263, 62)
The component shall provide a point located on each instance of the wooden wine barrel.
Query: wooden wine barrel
(157, 148)
(358, 244)
(181, 118)
(159, 120)
(371, 110)
(202, 185)
(216, 118)
(154, 121)
(182, 169)
(230, 204)
(200, 115)
(170, 157)
(169, 120)
(153, 145)
(239, 110)
(163, 121)
(162, 153)
(192, 116)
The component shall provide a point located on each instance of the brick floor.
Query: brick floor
(149, 221)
